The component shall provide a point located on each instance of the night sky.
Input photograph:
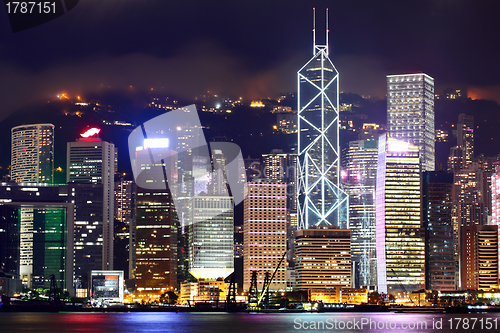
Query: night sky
(248, 48)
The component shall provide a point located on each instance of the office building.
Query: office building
(455, 159)
(124, 200)
(32, 153)
(90, 160)
(9, 240)
(275, 165)
(280, 166)
(462, 155)
(323, 258)
(441, 263)
(45, 249)
(36, 234)
(264, 233)
(495, 200)
(320, 198)
(156, 243)
(125, 197)
(410, 113)
(211, 237)
(465, 139)
(479, 257)
(400, 242)
(210, 231)
(470, 196)
(157, 224)
(52, 244)
(359, 177)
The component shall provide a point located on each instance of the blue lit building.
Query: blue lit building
(320, 199)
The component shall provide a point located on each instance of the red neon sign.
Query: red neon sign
(90, 132)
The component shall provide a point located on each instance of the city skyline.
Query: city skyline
(361, 211)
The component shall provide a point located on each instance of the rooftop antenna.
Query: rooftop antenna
(319, 47)
(314, 30)
(327, 31)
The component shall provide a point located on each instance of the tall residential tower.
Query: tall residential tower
(32, 153)
(410, 113)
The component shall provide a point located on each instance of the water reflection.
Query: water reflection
(243, 322)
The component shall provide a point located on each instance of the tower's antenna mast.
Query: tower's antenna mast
(324, 46)
(314, 31)
(327, 31)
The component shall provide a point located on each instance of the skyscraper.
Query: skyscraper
(90, 162)
(320, 199)
(32, 153)
(470, 196)
(211, 237)
(264, 232)
(465, 138)
(37, 234)
(462, 155)
(410, 113)
(156, 246)
(479, 257)
(323, 258)
(210, 231)
(125, 202)
(88, 232)
(359, 177)
(440, 260)
(278, 165)
(400, 242)
(495, 201)
(275, 165)
(157, 224)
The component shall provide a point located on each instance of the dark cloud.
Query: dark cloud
(248, 48)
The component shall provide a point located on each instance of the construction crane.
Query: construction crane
(403, 287)
(53, 292)
(231, 295)
(265, 290)
(252, 292)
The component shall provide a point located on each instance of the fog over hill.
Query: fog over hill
(250, 128)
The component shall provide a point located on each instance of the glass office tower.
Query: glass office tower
(441, 267)
(211, 237)
(410, 113)
(359, 177)
(320, 199)
(400, 242)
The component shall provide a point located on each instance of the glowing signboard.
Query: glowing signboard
(90, 132)
(156, 143)
(398, 146)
